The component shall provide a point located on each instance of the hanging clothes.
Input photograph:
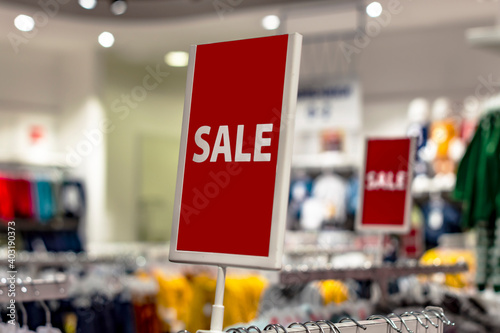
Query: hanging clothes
(37, 197)
(72, 199)
(174, 299)
(440, 218)
(242, 297)
(6, 200)
(478, 186)
(333, 291)
(478, 176)
(146, 319)
(44, 200)
(22, 198)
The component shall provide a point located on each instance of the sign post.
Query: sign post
(386, 187)
(235, 155)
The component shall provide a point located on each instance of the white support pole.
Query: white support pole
(217, 323)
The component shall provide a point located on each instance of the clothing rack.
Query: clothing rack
(430, 320)
(316, 250)
(292, 275)
(64, 259)
(29, 290)
(24, 165)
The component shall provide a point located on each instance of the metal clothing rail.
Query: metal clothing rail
(63, 259)
(30, 290)
(381, 274)
(303, 274)
(430, 320)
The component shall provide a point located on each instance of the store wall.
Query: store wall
(30, 79)
(156, 114)
(82, 135)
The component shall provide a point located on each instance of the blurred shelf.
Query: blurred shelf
(67, 259)
(315, 251)
(30, 290)
(303, 274)
(26, 164)
(326, 160)
(32, 225)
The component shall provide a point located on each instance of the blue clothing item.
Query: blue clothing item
(46, 208)
(302, 186)
(36, 315)
(300, 190)
(421, 132)
(450, 222)
(352, 195)
(116, 316)
(54, 241)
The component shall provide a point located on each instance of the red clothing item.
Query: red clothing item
(20, 190)
(6, 202)
(146, 319)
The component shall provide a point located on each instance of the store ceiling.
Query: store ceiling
(150, 28)
(154, 9)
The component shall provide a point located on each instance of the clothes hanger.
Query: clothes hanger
(403, 322)
(48, 322)
(389, 322)
(3, 326)
(24, 328)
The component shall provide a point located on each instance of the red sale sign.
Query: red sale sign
(234, 165)
(386, 185)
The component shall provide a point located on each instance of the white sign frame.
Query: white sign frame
(282, 180)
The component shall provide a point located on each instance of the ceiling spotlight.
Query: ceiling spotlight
(87, 4)
(177, 58)
(118, 7)
(24, 23)
(271, 22)
(374, 9)
(106, 39)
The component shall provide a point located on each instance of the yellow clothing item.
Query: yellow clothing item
(203, 287)
(173, 300)
(333, 291)
(241, 300)
(438, 256)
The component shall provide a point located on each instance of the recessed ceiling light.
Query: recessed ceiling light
(118, 7)
(374, 9)
(87, 4)
(106, 39)
(24, 22)
(271, 22)
(177, 58)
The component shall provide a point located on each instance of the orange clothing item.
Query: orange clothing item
(442, 132)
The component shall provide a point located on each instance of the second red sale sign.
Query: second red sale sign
(386, 185)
